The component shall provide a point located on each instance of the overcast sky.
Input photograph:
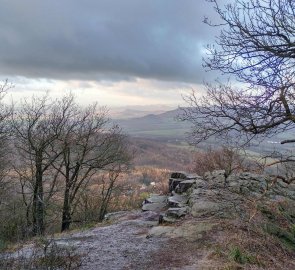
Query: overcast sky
(115, 52)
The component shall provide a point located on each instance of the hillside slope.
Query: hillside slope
(245, 221)
(154, 153)
(156, 126)
(165, 127)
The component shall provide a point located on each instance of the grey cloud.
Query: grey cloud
(99, 39)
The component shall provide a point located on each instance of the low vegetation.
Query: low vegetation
(44, 255)
(263, 238)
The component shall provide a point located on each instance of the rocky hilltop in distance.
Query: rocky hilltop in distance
(244, 221)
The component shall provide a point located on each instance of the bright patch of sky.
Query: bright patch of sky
(116, 53)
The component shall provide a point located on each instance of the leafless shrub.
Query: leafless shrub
(46, 254)
(225, 158)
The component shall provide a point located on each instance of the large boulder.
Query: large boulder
(204, 207)
(245, 183)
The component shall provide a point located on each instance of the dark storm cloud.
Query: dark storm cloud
(99, 39)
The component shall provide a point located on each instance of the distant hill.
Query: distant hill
(131, 113)
(165, 127)
(156, 126)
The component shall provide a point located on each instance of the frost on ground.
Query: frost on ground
(118, 246)
(121, 245)
(131, 240)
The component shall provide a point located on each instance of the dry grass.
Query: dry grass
(233, 244)
(242, 244)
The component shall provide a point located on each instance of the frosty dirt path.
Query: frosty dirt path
(132, 241)
(122, 245)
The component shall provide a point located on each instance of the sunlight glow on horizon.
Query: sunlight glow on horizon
(137, 92)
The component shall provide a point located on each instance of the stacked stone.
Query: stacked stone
(215, 195)
(175, 205)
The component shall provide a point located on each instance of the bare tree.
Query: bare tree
(256, 47)
(37, 125)
(59, 148)
(89, 145)
(256, 42)
(108, 182)
(5, 114)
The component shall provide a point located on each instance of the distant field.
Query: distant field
(180, 145)
(161, 133)
(156, 153)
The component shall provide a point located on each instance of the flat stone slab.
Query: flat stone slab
(154, 206)
(156, 199)
(177, 200)
(192, 176)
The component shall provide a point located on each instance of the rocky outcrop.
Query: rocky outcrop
(175, 205)
(214, 194)
(181, 181)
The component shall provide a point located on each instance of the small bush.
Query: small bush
(240, 257)
(46, 255)
(224, 158)
(57, 256)
(144, 195)
(286, 237)
(267, 212)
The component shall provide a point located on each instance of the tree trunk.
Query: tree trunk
(38, 202)
(105, 202)
(66, 211)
